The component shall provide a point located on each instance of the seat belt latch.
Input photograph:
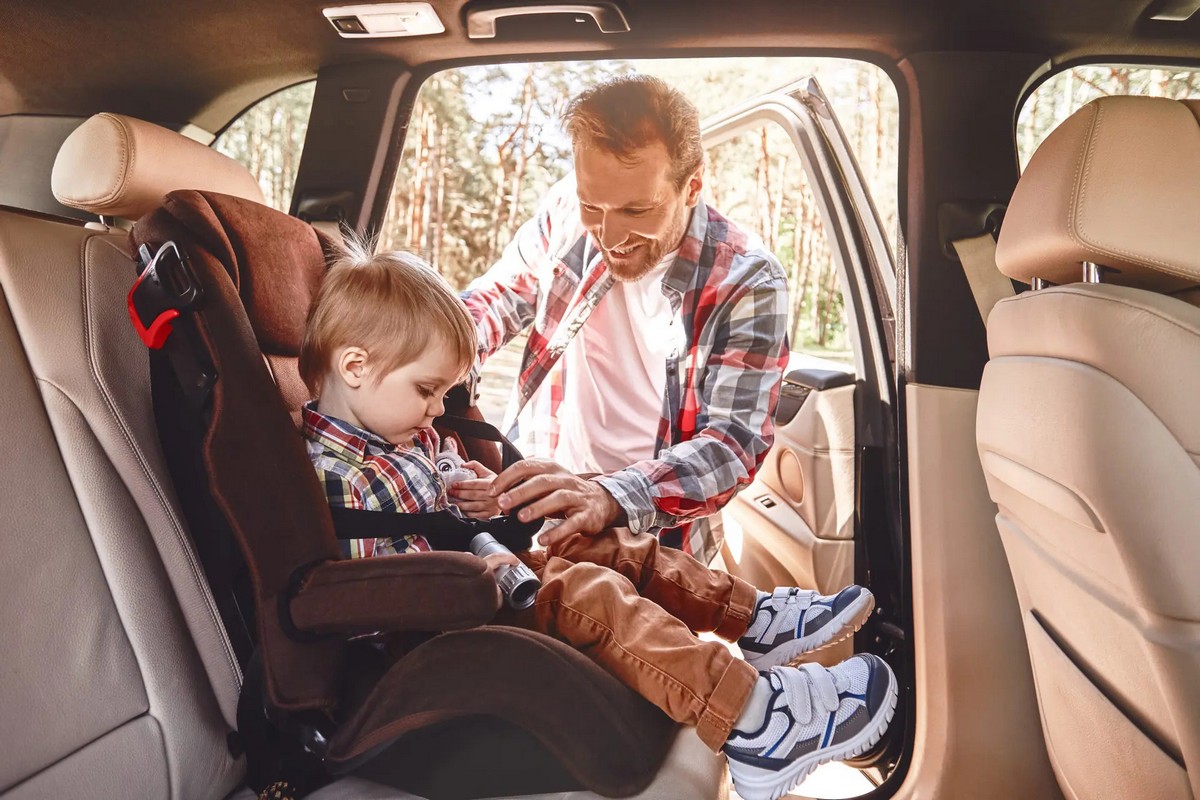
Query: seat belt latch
(165, 289)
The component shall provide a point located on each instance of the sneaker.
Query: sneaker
(815, 716)
(790, 623)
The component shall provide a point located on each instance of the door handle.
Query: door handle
(481, 17)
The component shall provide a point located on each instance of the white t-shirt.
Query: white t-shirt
(614, 376)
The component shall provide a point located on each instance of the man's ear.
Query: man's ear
(351, 366)
(694, 184)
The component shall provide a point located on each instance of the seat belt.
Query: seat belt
(443, 529)
(988, 284)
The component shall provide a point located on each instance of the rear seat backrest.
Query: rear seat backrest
(121, 682)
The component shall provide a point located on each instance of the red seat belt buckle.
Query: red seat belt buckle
(165, 289)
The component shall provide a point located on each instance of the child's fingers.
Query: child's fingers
(480, 470)
(477, 487)
(474, 495)
(472, 507)
(496, 559)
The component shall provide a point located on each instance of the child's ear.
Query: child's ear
(351, 366)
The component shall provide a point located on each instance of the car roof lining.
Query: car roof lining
(209, 64)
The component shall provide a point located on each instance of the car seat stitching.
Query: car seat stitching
(1075, 225)
(1092, 295)
(159, 494)
(127, 159)
(1079, 180)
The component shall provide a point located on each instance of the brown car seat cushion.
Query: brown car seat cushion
(605, 735)
(262, 481)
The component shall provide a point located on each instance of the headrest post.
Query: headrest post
(1037, 284)
(1091, 272)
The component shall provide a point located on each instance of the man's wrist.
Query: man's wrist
(629, 495)
(617, 517)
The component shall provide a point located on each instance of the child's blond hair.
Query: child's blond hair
(393, 305)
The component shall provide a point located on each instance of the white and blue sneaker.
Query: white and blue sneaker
(790, 623)
(814, 716)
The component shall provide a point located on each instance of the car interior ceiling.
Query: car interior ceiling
(960, 74)
(62, 60)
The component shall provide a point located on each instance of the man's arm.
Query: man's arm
(734, 419)
(734, 416)
(503, 301)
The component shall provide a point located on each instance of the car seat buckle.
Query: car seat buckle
(165, 289)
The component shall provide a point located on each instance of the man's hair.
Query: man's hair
(625, 114)
(393, 305)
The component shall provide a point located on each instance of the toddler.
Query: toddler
(386, 339)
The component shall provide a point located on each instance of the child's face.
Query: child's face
(406, 399)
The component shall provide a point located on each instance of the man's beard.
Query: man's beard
(652, 253)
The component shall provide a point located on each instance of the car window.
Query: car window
(1066, 92)
(268, 138)
(484, 144)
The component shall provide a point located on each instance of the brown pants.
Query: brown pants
(633, 607)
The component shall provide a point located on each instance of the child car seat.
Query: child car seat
(234, 333)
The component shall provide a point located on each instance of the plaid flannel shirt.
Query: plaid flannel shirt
(360, 470)
(729, 297)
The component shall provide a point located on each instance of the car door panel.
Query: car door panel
(799, 510)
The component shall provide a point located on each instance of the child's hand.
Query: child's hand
(494, 561)
(471, 496)
(499, 559)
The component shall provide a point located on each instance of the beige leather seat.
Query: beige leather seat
(1089, 434)
(116, 678)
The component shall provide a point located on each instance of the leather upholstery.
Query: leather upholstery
(1090, 444)
(117, 674)
(1115, 184)
(118, 166)
(116, 671)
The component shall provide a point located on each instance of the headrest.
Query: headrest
(118, 166)
(1117, 184)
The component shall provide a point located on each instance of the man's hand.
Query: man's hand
(551, 491)
(472, 496)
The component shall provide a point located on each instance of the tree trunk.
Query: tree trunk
(522, 149)
(439, 222)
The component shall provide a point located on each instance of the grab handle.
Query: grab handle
(481, 17)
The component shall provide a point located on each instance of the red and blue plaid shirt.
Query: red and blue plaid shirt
(729, 297)
(360, 470)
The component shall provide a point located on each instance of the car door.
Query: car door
(822, 511)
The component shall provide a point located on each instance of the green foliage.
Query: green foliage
(484, 143)
(268, 139)
(1066, 92)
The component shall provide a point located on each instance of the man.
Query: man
(657, 330)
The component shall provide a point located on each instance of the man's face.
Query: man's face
(632, 207)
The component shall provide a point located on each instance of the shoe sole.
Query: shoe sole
(774, 785)
(841, 628)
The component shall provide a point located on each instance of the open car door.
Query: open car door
(823, 511)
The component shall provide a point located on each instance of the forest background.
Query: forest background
(484, 143)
